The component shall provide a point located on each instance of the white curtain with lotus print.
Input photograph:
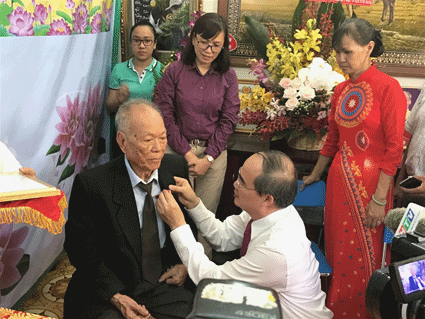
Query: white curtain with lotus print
(55, 60)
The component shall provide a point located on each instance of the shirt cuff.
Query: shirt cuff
(182, 237)
(198, 213)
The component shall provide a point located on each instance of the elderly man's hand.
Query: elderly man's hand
(176, 275)
(169, 210)
(129, 308)
(420, 190)
(184, 192)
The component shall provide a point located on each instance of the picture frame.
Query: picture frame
(132, 9)
(15, 186)
(396, 61)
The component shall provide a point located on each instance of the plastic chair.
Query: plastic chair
(325, 268)
(310, 204)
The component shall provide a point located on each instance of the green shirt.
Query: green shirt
(140, 87)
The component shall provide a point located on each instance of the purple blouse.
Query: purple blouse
(196, 106)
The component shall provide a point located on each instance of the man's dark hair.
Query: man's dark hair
(279, 178)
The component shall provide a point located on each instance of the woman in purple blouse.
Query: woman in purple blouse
(199, 101)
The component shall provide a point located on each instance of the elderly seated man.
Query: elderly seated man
(275, 251)
(126, 265)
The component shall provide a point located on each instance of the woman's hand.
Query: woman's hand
(123, 93)
(199, 167)
(307, 180)
(116, 97)
(375, 214)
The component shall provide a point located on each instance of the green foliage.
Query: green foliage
(175, 29)
(5, 10)
(259, 36)
(298, 14)
(53, 149)
(65, 16)
(67, 172)
(338, 14)
(4, 32)
(61, 160)
(104, 25)
(180, 20)
(93, 11)
(41, 30)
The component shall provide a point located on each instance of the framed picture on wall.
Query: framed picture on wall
(169, 18)
(401, 25)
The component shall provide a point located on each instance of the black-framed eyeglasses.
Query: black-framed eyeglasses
(205, 46)
(237, 177)
(146, 42)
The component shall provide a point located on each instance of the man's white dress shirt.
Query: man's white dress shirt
(278, 256)
(415, 124)
(140, 196)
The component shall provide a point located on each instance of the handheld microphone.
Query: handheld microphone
(413, 214)
(393, 218)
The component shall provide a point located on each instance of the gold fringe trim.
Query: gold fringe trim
(14, 314)
(28, 215)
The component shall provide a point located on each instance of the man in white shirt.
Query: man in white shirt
(278, 255)
(414, 157)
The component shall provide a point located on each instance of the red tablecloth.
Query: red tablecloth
(45, 212)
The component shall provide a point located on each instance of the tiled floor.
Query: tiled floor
(47, 298)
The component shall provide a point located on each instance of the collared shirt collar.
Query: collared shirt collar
(150, 67)
(210, 71)
(135, 180)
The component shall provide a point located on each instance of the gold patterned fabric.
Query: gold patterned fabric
(15, 314)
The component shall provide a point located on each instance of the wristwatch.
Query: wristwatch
(209, 158)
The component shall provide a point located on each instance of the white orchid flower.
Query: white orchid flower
(306, 93)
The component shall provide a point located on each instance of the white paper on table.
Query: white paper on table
(15, 186)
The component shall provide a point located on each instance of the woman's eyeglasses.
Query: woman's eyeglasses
(146, 42)
(205, 46)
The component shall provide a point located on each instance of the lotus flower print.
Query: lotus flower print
(40, 19)
(10, 254)
(59, 27)
(21, 22)
(76, 138)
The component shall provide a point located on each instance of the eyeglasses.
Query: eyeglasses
(240, 182)
(146, 42)
(205, 46)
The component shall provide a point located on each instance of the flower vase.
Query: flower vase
(306, 143)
